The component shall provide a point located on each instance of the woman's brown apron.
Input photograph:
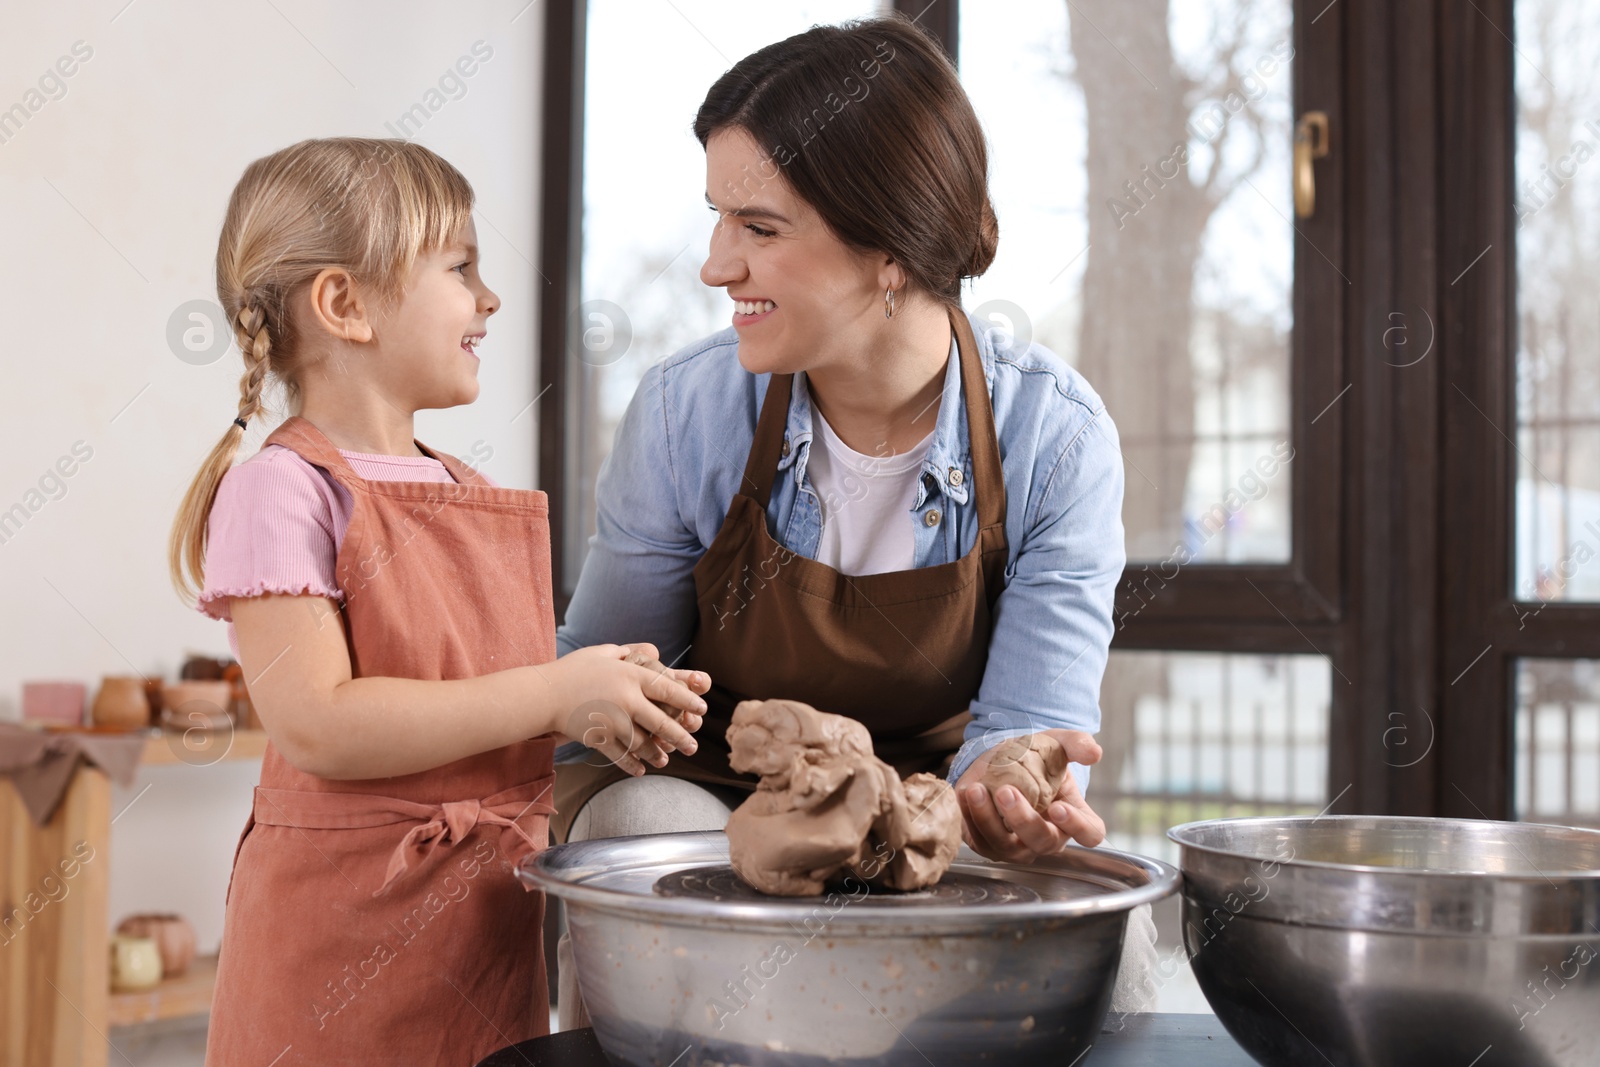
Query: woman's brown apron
(379, 922)
(903, 651)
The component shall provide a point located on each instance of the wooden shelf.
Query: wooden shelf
(166, 748)
(56, 1001)
(175, 998)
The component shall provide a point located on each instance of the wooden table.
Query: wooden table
(1143, 1041)
(56, 1004)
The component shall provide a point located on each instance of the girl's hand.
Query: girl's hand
(627, 712)
(1007, 828)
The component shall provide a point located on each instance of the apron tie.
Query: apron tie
(440, 825)
(455, 819)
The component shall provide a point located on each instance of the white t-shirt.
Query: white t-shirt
(866, 503)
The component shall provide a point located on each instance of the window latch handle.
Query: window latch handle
(1310, 142)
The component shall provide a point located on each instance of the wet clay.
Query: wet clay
(1035, 765)
(827, 807)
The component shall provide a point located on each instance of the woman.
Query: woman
(856, 497)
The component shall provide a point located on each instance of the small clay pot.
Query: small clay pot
(173, 937)
(121, 704)
(196, 704)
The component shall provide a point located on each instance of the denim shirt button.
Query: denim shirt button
(786, 447)
(956, 477)
(931, 517)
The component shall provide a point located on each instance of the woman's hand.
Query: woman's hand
(1007, 828)
(615, 706)
(647, 655)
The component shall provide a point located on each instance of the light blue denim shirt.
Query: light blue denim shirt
(680, 455)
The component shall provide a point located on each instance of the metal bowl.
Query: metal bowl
(680, 963)
(1361, 940)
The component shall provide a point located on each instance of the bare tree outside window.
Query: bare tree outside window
(1188, 264)
(1148, 180)
(1144, 208)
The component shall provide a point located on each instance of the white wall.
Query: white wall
(110, 202)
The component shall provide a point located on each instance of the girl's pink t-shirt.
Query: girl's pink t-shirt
(278, 521)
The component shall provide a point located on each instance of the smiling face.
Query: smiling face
(801, 297)
(426, 340)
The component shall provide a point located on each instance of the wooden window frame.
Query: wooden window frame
(560, 263)
(1486, 629)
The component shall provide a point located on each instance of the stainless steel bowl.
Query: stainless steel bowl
(1000, 963)
(1360, 940)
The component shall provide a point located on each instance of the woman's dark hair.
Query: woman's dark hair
(870, 126)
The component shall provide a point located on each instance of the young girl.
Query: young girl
(392, 610)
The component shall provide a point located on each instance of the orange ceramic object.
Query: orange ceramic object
(121, 704)
(185, 704)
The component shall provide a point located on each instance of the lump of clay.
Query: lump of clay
(923, 830)
(827, 807)
(1035, 765)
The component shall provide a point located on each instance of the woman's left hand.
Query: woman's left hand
(1007, 828)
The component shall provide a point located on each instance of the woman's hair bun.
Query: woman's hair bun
(988, 241)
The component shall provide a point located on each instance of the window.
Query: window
(1206, 735)
(1558, 741)
(645, 226)
(1150, 182)
(1558, 306)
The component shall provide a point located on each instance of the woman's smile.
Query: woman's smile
(749, 312)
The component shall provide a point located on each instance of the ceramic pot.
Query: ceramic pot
(152, 693)
(135, 963)
(121, 704)
(172, 934)
(186, 705)
(202, 669)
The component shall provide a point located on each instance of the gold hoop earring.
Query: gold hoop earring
(888, 303)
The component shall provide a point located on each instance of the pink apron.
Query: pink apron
(379, 922)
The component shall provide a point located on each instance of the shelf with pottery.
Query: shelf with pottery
(53, 980)
(163, 748)
(175, 998)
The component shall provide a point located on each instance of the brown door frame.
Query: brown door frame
(941, 18)
(560, 265)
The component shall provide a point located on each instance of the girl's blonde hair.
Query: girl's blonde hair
(366, 205)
